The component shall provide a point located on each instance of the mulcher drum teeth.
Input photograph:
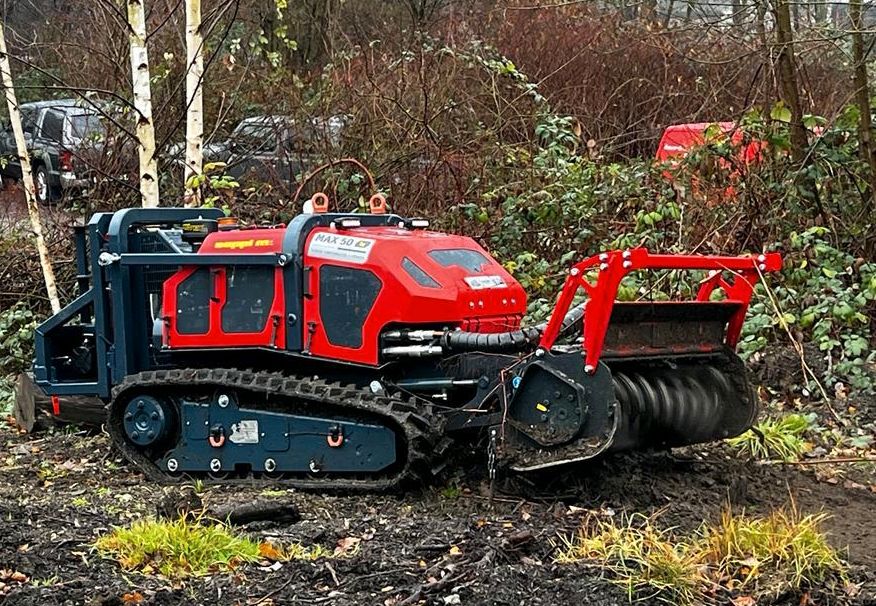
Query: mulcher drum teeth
(665, 405)
(421, 429)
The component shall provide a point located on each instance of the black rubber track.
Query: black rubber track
(425, 446)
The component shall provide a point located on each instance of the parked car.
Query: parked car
(55, 132)
(272, 149)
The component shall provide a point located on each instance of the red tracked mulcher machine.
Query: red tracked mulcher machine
(349, 351)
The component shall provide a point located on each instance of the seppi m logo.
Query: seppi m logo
(340, 247)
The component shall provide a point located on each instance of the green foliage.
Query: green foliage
(16, 349)
(187, 547)
(552, 204)
(781, 438)
(16, 339)
(217, 188)
(826, 296)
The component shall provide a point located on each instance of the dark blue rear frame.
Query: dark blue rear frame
(112, 306)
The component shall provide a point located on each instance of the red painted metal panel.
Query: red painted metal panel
(736, 276)
(483, 306)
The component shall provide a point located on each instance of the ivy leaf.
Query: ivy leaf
(780, 113)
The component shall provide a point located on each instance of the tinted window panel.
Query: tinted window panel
(419, 276)
(249, 294)
(53, 126)
(346, 297)
(28, 120)
(470, 260)
(87, 126)
(193, 303)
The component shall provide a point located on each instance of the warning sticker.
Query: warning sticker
(340, 247)
(245, 432)
(482, 282)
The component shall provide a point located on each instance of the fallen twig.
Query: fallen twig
(837, 460)
(269, 595)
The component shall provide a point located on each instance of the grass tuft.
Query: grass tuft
(181, 548)
(782, 551)
(780, 438)
(641, 557)
(177, 548)
(785, 545)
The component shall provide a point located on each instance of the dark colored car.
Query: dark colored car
(275, 149)
(56, 132)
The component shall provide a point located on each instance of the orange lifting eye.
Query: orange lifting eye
(377, 204)
(320, 202)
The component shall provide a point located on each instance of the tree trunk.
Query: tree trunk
(862, 96)
(788, 79)
(143, 103)
(27, 176)
(791, 97)
(739, 9)
(194, 99)
(34, 410)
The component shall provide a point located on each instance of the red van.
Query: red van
(679, 139)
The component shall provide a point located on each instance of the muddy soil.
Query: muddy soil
(447, 544)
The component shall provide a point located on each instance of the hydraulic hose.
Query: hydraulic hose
(513, 340)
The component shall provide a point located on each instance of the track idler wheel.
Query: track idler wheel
(148, 421)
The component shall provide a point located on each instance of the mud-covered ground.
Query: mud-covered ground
(448, 544)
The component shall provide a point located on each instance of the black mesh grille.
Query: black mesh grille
(154, 277)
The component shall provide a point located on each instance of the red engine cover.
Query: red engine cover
(362, 281)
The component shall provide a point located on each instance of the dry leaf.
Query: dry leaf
(455, 551)
(269, 552)
(744, 600)
(347, 545)
(13, 575)
(135, 597)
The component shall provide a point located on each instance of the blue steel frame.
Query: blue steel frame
(112, 300)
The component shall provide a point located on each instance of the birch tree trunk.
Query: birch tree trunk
(143, 103)
(26, 176)
(194, 99)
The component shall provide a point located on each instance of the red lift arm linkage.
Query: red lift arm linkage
(736, 276)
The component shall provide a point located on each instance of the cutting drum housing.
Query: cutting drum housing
(350, 351)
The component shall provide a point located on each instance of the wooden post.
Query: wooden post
(34, 410)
